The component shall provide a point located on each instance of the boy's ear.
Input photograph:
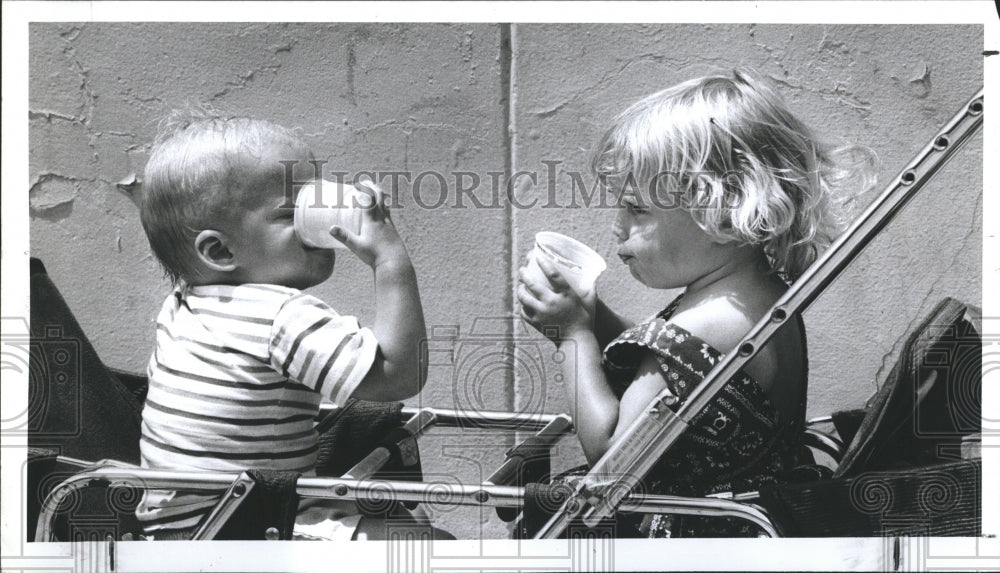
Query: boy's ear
(214, 252)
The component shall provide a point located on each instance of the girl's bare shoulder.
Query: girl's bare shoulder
(720, 321)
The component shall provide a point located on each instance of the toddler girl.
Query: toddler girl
(722, 191)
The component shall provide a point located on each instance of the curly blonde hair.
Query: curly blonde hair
(741, 163)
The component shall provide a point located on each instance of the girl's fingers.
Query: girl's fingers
(527, 298)
(540, 289)
(529, 317)
(529, 303)
(522, 276)
(529, 313)
(552, 272)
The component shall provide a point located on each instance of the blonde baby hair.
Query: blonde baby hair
(203, 171)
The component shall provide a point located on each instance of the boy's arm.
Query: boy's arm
(397, 371)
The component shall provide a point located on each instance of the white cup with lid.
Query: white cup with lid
(323, 204)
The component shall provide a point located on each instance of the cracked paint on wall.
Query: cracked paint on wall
(51, 196)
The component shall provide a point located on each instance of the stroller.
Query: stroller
(911, 465)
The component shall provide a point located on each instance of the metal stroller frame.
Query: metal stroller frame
(609, 484)
(495, 491)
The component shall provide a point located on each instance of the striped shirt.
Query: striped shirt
(235, 383)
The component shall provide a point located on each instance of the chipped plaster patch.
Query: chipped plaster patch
(49, 193)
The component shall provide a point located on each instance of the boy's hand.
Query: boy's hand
(378, 242)
(552, 303)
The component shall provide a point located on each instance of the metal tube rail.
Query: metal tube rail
(705, 507)
(486, 419)
(375, 490)
(829, 445)
(528, 422)
(84, 464)
(632, 456)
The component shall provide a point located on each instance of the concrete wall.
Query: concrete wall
(482, 99)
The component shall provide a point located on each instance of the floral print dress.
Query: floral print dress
(737, 443)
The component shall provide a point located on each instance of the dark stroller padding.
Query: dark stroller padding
(80, 408)
(903, 473)
(77, 408)
(351, 432)
(941, 500)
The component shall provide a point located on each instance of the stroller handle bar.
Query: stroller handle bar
(632, 456)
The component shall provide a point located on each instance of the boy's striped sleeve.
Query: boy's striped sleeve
(313, 345)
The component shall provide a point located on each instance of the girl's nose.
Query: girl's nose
(619, 229)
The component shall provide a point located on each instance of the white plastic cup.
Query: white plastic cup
(579, 264)
(323, 204)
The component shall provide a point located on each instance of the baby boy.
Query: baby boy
(243, 357)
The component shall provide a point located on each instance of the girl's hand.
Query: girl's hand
(551, 306)
(378, 242)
